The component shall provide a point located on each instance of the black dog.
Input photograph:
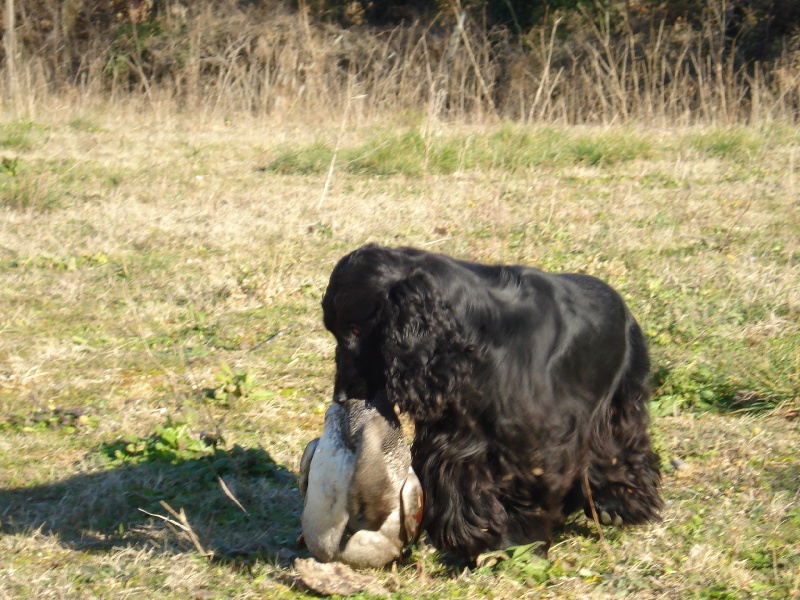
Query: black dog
(522, 385)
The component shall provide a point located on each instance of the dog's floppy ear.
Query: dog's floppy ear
(427, 357)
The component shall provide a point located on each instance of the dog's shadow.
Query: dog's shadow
(237, 503)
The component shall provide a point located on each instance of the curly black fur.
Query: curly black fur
(520, 384)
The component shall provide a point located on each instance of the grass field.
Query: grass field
(160, 332)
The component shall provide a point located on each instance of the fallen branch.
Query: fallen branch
(603, 541)
(181, 523)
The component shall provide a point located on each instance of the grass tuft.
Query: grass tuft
(21, 189)
(314, 159)
(21, 135)
(608, 149)
(415, 154)
(735, 143)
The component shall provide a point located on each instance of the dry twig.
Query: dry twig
(182, 523)
(603, 541)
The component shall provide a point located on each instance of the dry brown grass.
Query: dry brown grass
(221, 59)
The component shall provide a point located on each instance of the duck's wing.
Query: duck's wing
(371, 497)
(305, 466)
(411, 505)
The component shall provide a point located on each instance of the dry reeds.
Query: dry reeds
(225, 59)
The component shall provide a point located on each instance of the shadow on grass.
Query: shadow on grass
(101, 510)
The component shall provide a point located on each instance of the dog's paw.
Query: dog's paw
(610, 518)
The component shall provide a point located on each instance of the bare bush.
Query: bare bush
(225, 58)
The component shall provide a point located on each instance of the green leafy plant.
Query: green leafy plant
(171, 442)
(518, 562)
(176, 443)
(689, 387)
(234, 385)
(67, 420)
(9, 166)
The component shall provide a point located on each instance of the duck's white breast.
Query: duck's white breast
(325, 509)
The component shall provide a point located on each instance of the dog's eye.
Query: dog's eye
(355, 330)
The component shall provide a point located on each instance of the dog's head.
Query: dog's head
(396, 330)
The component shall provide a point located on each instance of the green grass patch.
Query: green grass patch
(66, 420)
(410, 154)
(736, 143)
(175, 443)
(22, 189)
(609, 149)
(415, 153)
(514, 148)
(21, 135)
(67, 262)
(315, 158)
(520, 563)
(689, 388)
(85, 125)
(45, 185)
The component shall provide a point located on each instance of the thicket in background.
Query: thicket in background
(685, 61)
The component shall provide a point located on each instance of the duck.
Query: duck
(362, 501)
